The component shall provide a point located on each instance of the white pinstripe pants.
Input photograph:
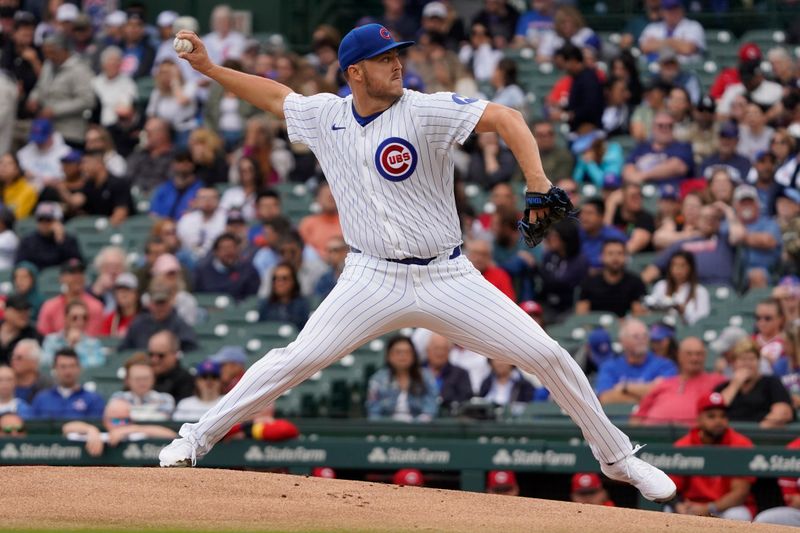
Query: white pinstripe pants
(374, 297)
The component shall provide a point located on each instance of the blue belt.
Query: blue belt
(415, 260)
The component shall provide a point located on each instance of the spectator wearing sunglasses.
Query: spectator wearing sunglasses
(12, 426)
(171, 377)
(118, 428)
(208, 391)
(74, 335)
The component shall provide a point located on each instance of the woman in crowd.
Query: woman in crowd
(126, 306)
(259, 146)
(89, 349)
(25, 284)
(243, 195)
(679, 292)
(617, 114)
(113, 89)
(787, 292)
(208, 157)
(720, 187)
(208, 391)
(782, 147)
(505, 385)
(562, 269)
(285, 304)
(174, 100)
(98, 138)
(17, 194)
(624, 67)
(568, 27)
(663, 342)
(9, 241)
(147, 404)
(479, 55)
(506, 90)
(679, 106)
(770, 336)
(752, 397)
(402, 389)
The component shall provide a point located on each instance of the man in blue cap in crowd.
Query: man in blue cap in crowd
(40, 159)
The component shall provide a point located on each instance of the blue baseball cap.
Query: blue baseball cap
(41, 129)
(367, 41)
(230, 354)
(661, 331)
(73, 156)
(669, 192)
(600, 350)
(207, 368)
(585, 141)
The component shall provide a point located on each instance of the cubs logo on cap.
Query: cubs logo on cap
(367, 41)
(396, 159)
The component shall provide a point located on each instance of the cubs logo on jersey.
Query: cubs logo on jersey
(396, 159)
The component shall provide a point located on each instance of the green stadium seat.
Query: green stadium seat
(144, 86)
(638, 262)
(764, 38)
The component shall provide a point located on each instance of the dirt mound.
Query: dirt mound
(205, 499)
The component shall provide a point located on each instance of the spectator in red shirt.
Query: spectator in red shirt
(674, 400)
(730, 76)
(723, 496)
(788, 515)
(588, 488)
(127, 305)
(73, 279)
(479, 251)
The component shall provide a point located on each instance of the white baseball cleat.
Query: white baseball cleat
(654, 484)
(178, 453)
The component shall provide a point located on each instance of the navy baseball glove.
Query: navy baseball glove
(559, 205)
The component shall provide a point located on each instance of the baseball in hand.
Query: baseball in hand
(182, 45)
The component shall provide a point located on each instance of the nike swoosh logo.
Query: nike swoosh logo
(336, 128)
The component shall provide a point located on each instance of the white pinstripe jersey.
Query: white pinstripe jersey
(392, 179)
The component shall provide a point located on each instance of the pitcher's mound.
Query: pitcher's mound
(205, 499)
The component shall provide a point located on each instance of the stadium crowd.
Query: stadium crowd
(684, 191)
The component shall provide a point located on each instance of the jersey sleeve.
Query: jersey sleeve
(448, 117)
(302, 116)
